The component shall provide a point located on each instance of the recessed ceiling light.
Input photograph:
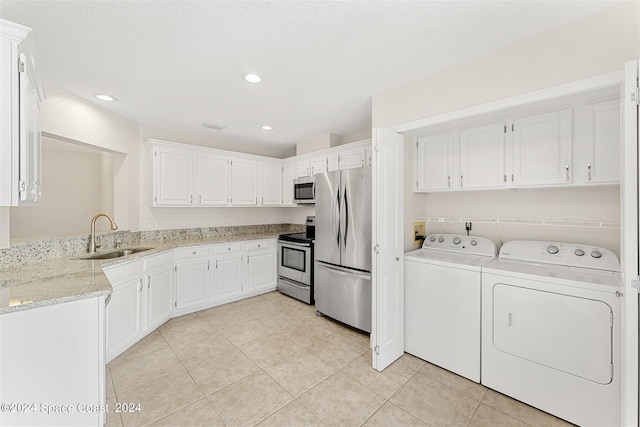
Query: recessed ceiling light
(105, 97)
(252, 78)
(267, 127)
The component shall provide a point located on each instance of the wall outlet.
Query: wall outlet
(418, 230)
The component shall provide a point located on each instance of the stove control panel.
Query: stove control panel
(569, 254)
(472, 245)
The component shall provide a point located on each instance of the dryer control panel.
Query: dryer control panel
(472, 245)
(569, 254)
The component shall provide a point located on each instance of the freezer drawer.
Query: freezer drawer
(344, 295)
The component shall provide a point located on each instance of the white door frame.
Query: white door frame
(629, 243)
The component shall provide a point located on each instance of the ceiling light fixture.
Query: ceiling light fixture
(252, 78)
(267, 127)
(105, 97)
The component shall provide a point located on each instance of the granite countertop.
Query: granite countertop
(68, 279)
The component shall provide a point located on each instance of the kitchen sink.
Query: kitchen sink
(116, 254)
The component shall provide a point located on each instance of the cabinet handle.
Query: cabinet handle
(511, 177)
(248, 258)
(449, 181)
(191, 198)
(567, 173)
(200, 199)
(216, 264)
(461, 182)
(588, 171)
(148, 281)
(141, 284)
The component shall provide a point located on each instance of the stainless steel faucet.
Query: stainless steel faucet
(92, 242)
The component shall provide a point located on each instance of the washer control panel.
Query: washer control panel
(569, 254)
(461, 243)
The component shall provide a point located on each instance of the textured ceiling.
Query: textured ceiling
(178, 64)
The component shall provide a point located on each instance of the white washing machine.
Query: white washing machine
(551, 329)
(442, 301)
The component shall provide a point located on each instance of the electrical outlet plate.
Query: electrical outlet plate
(418, 230)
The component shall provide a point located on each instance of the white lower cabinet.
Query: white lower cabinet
(124, 310)
(53, 357)
(261, 266)
(193, 278)
(227, 277)
(142, 300)
(149, 291)
(158, 271)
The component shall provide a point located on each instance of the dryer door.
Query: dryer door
(563, 332)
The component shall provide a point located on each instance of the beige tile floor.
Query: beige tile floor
(270, 361)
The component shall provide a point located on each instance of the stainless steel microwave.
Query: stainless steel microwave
(304, 190)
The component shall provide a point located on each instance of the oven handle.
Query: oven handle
(287, 243)
(289, 282)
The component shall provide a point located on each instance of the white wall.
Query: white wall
(77, 185)
(69, 117)
(598, 44)
(589, 47)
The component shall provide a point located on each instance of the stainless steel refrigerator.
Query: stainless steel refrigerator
(343, 246)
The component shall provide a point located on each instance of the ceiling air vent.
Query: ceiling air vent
(213, 126)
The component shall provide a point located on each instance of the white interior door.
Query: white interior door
(629, 235)
(387, 275)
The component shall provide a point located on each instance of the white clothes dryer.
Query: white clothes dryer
(442, 301)
(551, 329)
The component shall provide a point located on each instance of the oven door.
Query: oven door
(294, 261)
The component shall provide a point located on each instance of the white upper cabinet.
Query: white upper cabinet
(319, 165)
(173, 178)
(542, 149)
(355, 158)
(434, 162)
(482, 156)
(599, 160)
(212, 180)
(21, 91)
(303, 168)
(288, 174)
(272, 187)
(244, 183)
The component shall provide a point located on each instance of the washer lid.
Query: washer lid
(446, 258)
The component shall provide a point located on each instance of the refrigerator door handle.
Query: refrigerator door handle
(337, 219)
(345, 206)
(344, 272)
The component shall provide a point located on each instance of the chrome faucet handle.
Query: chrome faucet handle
(97, 242)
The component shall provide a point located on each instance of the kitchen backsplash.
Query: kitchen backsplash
(65, 247)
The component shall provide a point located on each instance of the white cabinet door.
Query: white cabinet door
(158, 281)
(353, 159)
(213, 180)
(261, 266)
(271, 185)
(303, 168)
(288, 174)
(542, 147)
(173, 177)
(228, 277)
(333, 162)
(600, 160)
(482, 156)
(192, 283)
(434, 162)
(124, 322)
(244, 183)
(319, 165)
(125, 310)
(30, 152)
